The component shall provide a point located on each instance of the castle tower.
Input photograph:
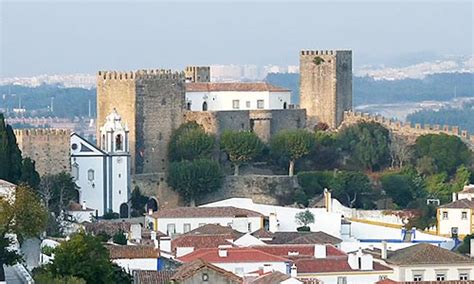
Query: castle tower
(196, 74)
(151, 103)
(325, 85)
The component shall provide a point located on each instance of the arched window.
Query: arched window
(204, 106)
(75, 171)
(188, 106)
(118, 143)
(284, 105)
(124, 210)
(152, 204)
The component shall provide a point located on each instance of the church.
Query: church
(103, 174)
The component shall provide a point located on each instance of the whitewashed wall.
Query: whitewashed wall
(454, 220)
(137, 264)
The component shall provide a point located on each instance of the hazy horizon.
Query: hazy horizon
(64, 38)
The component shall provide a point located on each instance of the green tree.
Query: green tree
(304, 218)
(312, 184)
(25, 216)
(57, 191)
(448, 152)
(461, 178)
(352, 189)
(84, 256)
(119, 238)
(438, 187)
(241, 146)
(138, 201)
(29, 175)
(194, 178)
(465, 247)
(292, 145)
(190, 142)
(10, 154)
(399, 187)
(426, 166)
(367, 144)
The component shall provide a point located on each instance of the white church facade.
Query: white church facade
(103, 174)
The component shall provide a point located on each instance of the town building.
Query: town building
(132, 257)
(103, 174)
(425, 262)
(456, 218)
(184, 219)
(236, 96)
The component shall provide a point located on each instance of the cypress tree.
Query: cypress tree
(4, 150)
(15, 156)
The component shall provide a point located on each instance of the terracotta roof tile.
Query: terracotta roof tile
(424, 253)
(234, 87)
(198, 242)
(460, 203)
(74, 206)
(120, 252)
(236, 255)
(301, 250)
(338, 264)
(188, 269)
(302, 238)
(152, 276)
(205, 212)
(214, 229)
(273, 277)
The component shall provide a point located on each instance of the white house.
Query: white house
(426, 262)
(455, 218)
(103, 175)
(236, 96)
(133, 258)
(184, 219)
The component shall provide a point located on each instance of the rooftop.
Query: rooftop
(152, 276)
(214, 229)
(297, 237)
(188, 269)
(74, 206)
(300, 250)
(199, 242)
(328, 265)
(121, 252)
(205, 212)
(234, 255)
(460, 203)
(273, 277)
(424, 253)
(468, 188)
(234, 87)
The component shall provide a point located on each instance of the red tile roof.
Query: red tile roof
(323, 265)
(234, 255)
(205, 212)
(234, 87)
(198, 242)
(302, 250)
(386, 281)
(120, 252)
(460, 203)
(189, 269)
(152, 276)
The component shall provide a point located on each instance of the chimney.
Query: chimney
(367, 262)
(155, 242)
(383, 253)
(153, 235)
(165, 244)
(353, 261)
(455, 196)
(293, 271)
(319, 251)
(136, 232)
(471, 252)
(222, 251)
(267, 268)
(327, 200)
(273, 223)
(84, 207)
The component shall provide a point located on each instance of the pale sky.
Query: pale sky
(82, 37)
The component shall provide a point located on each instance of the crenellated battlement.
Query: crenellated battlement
(322, 52)
(42, 132)
(144, 73)
(407, 128)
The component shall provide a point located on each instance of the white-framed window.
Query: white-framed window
(247, 104)
(440, 276)
(445, 215)
(236, 104)
(341, 280)
(464, 215)
(463, 276)
(186, 227)
(417, 277)
(170, 229)
(90, 174)
(260, 104)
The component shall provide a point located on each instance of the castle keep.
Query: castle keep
(325, 85)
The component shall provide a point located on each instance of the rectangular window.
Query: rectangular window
(90, 174)
(235, 104)
(247, 104)
(341, 280)
(464, 215)
(440, 277)
(170, 229)
(464, 276)
(445, 215)
(418, 277)
(186, 228)
(260, 104)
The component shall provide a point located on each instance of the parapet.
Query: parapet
(42, 132)
(132, 75)
(323, 52)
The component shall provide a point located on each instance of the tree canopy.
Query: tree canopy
(241, 146)
(57, 191)
(190, 142)
(304, 218)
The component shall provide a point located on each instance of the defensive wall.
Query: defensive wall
(49, 148)
(407, 129)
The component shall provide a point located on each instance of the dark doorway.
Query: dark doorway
(284, 105)
(152, 204)
(124, 210)
(204, 106)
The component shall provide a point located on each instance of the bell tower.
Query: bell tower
(114, 135)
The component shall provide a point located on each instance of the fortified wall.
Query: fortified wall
(411, 131)
(49, 148)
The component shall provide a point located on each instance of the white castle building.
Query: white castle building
(103, 175)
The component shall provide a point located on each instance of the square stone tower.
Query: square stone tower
(195, 74)
(325, 85)
(151, 103)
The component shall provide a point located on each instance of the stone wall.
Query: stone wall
(407, 129)
(326, 87)
(198, 74)
(217, 122)
(154, 185)
(274, 190)
(49, 148)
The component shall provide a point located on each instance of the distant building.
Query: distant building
(456, 218)
(235, 96)
(103, 175)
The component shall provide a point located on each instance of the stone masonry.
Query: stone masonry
(325, 86)
(196, 74)
(49, 148)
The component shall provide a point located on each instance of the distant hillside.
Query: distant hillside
(67, 102)
(438, 87)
